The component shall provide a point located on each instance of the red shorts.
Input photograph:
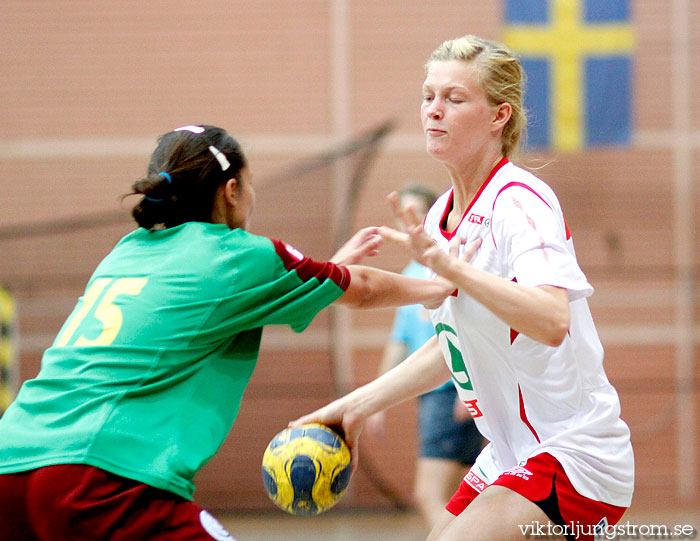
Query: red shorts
(542, 480)
(75, 502)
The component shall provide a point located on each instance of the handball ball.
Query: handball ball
(306, 469)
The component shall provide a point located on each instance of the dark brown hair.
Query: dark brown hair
(184, 172)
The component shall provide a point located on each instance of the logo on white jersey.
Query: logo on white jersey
(473, 407)
(479, 220)
(448, 343)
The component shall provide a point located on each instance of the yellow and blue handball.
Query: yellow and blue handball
(306, 469)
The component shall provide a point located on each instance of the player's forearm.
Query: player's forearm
(394, 353)
(542, 313)
(375, 288)
(421, 372)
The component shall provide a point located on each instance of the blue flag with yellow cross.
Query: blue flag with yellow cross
(577, 57)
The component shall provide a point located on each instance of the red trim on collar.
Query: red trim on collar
(449, 235)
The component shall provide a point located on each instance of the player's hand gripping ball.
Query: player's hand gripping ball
(306, 469)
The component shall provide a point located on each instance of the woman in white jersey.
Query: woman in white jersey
(517, 334)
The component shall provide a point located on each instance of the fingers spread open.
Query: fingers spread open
(408, 215)
(471, 249)
(455, 243)
(392, 235)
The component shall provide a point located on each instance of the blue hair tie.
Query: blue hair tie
(159, 199)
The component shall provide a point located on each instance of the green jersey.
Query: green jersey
(146, 376)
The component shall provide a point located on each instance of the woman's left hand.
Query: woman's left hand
(364, 243)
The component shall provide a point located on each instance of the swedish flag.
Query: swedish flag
(577, 55)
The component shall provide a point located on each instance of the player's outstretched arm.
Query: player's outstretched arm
(422, 371)
(394, 353)
(542, 312)
(375, 288)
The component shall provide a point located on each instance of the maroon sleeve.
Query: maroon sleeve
(307, 268)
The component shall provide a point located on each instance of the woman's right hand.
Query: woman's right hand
(376, 425)
(424, 249)
(337, 414)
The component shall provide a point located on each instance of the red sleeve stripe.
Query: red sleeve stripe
(306, 268)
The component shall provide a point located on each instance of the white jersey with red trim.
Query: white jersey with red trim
(526, 397)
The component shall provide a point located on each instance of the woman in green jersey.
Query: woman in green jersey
(145, 378)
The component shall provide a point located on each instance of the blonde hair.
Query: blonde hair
(502, 78)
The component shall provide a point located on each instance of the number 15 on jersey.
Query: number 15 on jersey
(106, 290)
